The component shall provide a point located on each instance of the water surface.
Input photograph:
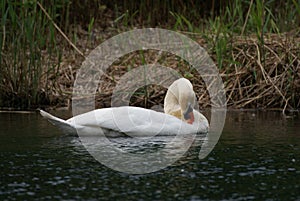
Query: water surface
(257, 158)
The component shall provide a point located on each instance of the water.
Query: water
(257, 158)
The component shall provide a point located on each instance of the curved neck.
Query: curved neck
(179, 95)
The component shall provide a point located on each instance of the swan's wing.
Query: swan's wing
(134, 121)
(94, 123)
(201, 119)
(130, 120)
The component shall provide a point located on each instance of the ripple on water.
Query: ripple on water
(246, 164)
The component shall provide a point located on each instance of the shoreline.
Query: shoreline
(259, 68)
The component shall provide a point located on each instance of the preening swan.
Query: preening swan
(180, 101)
(179, 117)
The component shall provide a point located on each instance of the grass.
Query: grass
(28, 43)
(255, 44)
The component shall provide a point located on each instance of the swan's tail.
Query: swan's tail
(60, 123)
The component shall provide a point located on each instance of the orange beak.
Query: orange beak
(191, 118)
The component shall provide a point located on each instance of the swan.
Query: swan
(179, 117)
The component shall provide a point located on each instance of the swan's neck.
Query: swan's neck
(176, 113)
(171, 105)
(179, 97)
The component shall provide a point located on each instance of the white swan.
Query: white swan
(179, 117)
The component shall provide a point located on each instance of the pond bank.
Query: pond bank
(259, 62)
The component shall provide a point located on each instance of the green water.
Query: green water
(257, 158)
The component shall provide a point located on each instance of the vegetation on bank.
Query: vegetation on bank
(255, 44)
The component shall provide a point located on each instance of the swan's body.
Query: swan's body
(179, 117)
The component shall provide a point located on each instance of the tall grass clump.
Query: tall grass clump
(28, 44)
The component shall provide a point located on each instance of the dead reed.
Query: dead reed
(254, 43)
(264, 75)
(254, 76)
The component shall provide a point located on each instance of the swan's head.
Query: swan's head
(188, 114)
(180, 100)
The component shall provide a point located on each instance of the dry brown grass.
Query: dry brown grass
(256, 76)
(264, 76)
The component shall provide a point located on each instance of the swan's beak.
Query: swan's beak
(189, 115)
(191, 118)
